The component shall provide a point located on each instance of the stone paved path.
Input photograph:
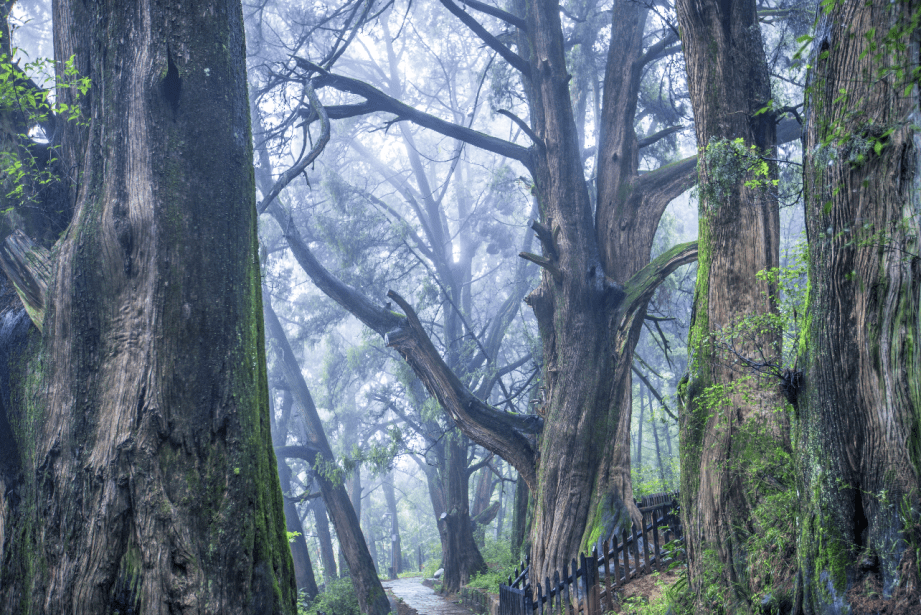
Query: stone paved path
(423, 599)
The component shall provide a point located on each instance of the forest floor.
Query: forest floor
(410, 597)
(644, 591)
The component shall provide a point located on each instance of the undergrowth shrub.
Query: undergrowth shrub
(339, 598)
(500, 565)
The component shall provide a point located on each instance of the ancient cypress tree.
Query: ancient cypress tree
(859, 410)
(597, 276)
(136, 408)
(730, 414)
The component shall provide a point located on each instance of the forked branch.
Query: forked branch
(299, 166)
(378, 101)
(517, 62)
(503, 433)
(640, 288)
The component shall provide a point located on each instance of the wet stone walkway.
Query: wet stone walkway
(422, 598)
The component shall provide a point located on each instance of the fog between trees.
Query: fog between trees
(517, 264)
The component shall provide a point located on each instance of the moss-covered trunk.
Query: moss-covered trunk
(732, 417)
(859, 413)
(147, 478)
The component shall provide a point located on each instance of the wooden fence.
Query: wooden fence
(585, 587)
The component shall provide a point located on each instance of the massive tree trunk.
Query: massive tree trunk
(731, 412)
(145, 478)
(859, 408)
(589, 306)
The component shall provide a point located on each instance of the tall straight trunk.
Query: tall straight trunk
(655, 437)
(520, 525)
(371, 538)
(353, 485)
(371, 597)
(394, 538)
(730, 413)
(668, 437)
(303, 568)
(860, 406)
(145, 477)
(327, 556)
(461, 557)
(503, 505)
(638, 450)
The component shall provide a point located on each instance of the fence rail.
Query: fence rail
(584, 587)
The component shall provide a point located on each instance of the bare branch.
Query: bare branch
(299, 166)
(378, 101)
(507, 54)
(655, 393)
(498, 13)
(658, 136)
(377, 317)
(546, 263)
(523, 126)
(639, 289)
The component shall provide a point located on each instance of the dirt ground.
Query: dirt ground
(646, 588)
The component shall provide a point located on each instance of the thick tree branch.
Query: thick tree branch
(640, 288)
(546, 263)
(498, 13)
(668, 181)
(480, 464)
(486, 517)
(377, 317)
(546, 238)
(304, 452)
(658, 136)
(517, 62)
(500, 432)
(378, 101)
(523, 126)
(497, 431)
(661, 48)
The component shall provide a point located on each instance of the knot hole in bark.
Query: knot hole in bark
(172, 83)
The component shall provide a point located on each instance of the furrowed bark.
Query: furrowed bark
(739, 224)
(860, 408)
(141, 410)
